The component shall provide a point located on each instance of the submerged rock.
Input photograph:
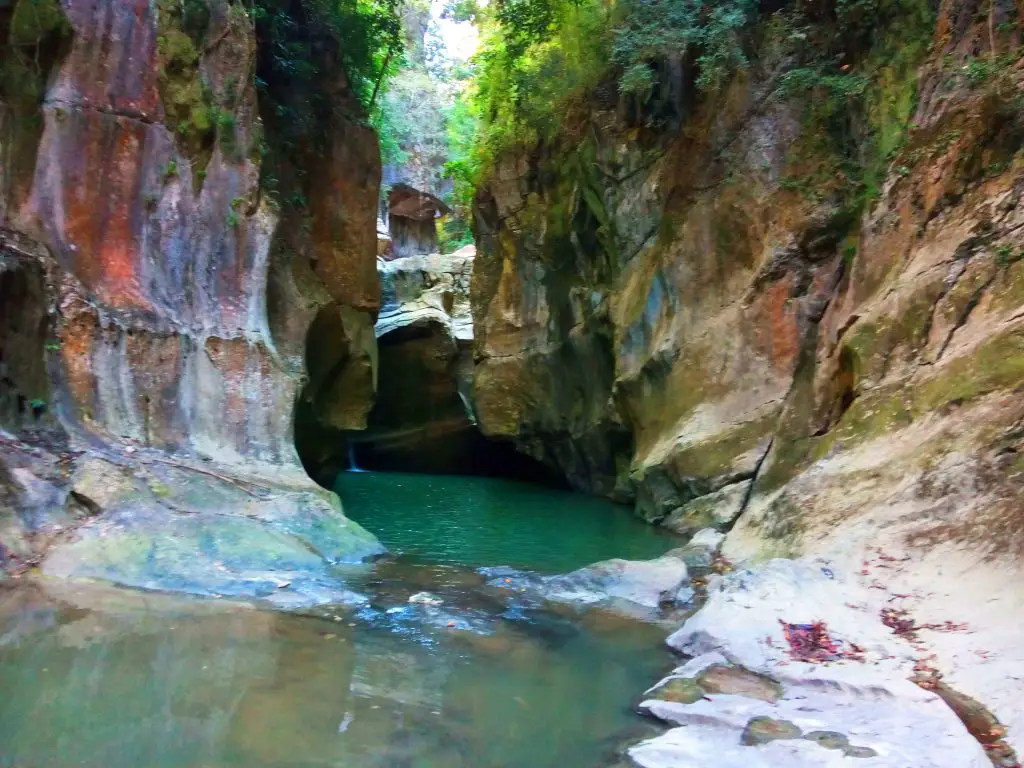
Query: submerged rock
(425, 598)
(635, 587)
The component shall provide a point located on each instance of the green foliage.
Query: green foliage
(302, 44)
(709, 31)
(306, 38)
(461, 10)
(34, 20)
(36, 31)
(410, 120)
(453, 232)
(638, 79)
(227, 133)
(463, 128)
(537, 56)
(855, 77)
(187, 100)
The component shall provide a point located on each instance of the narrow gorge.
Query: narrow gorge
(383, 381)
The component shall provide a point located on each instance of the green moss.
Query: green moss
(36, 37)
(856, 115)
(872, 343)
(998, 364)
(717, 456)
(891, 98)
(883, 411)
(680, 690)
(35, 20)
(187, 100)
(1007, 290)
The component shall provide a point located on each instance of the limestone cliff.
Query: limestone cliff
(706, 315)
(156, 297)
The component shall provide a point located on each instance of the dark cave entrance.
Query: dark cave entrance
(421, 418)
(24, 329)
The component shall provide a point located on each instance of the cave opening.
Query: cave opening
(24, 328)
(418, 421)
(422, 420)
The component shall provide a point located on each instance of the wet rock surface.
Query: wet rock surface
(172, 528)
(640, 588)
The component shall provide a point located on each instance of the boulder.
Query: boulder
(635, 587)
(175, 528)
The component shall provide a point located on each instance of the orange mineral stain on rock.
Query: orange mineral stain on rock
(104, 245)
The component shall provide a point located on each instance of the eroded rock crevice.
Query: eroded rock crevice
(25, 332)
(420, 416)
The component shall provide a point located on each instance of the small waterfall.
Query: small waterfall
(352, 465)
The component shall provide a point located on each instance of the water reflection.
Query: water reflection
(133, 681)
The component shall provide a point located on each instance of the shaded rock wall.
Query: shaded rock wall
(181, 294)
(422, 418)
(183, 305)
(24, 334)
(665, 314)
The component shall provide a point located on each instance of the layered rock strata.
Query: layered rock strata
(166, 297)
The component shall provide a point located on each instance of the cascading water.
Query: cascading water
(353, 466)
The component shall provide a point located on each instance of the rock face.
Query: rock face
(651, 318)
(163, 299)
(703, 320)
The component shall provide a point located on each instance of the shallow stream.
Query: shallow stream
(113, 679)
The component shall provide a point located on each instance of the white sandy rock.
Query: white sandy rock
(870, 702)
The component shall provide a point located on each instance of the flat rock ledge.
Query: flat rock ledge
(153, 524)
(791, 665)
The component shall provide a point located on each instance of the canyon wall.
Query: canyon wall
(717, 319)
(670, 314)
(156, 298)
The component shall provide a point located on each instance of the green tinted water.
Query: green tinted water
(115, 679)
(481, 521)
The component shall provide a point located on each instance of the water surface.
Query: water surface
(483, 521)
(105, 678)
